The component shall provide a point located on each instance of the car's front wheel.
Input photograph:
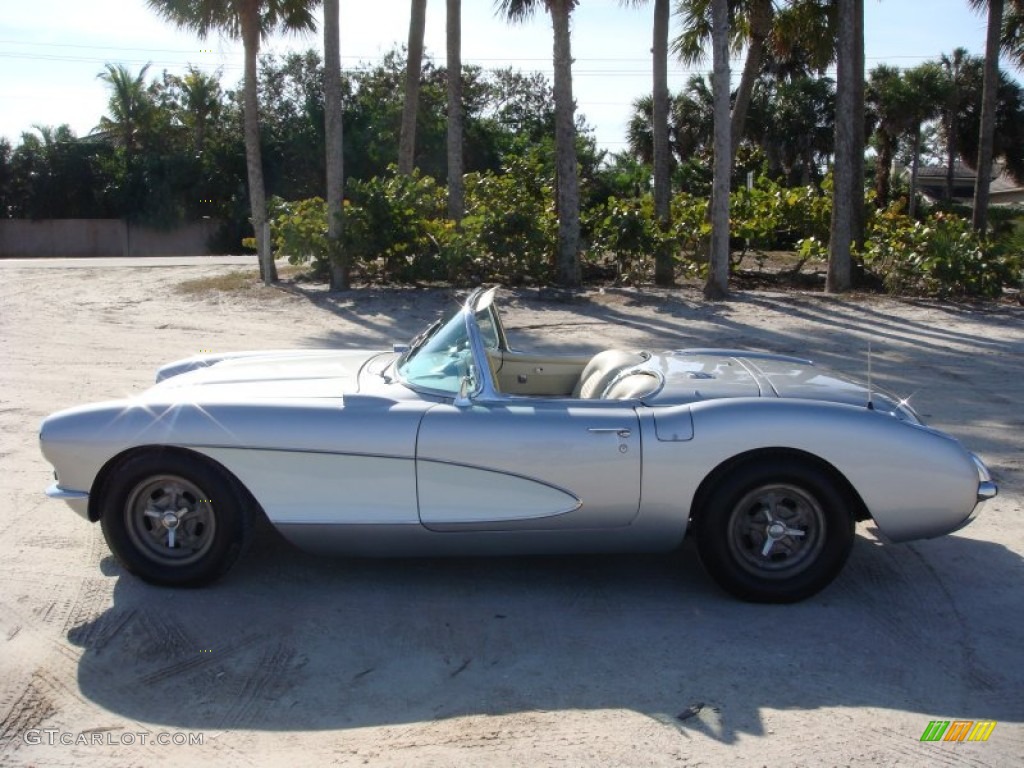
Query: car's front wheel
(173, 519)
(775, 531)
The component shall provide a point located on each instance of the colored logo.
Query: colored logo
(958, 730)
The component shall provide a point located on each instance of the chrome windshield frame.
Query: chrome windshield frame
(485, 389)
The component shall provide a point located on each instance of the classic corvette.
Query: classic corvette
(459, 445)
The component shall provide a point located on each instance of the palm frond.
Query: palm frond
(517, 11)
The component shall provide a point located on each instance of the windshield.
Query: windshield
(441, 357)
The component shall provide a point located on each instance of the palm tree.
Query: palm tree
(1004, 32)
(717, 284)
(456, 187)
(886, 94)
(793, 121)
(993, 42)
(334, 138)
(839, 277)
(251, 21)
(131, 107)
(859, 221)
(413, 69)
(202, 100)
(1008, 141)
(693, 118)
(567, 260)
(664, 272)
(691, 123)
(1013, 31)
(751, 24)
(954, 73)
(927, 91)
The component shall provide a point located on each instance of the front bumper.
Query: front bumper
(77, 500)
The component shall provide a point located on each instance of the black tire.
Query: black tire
(775, 531)
(173, 519)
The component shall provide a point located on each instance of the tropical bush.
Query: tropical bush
(299, 229)
(395, 229)
(510, 230)
(626, 232)
(391, 225)
(938, 256)
(772, 217)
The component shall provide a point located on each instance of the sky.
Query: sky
(52, 50)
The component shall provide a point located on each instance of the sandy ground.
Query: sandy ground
(295, 660)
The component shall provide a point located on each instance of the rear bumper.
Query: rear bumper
(986, 488)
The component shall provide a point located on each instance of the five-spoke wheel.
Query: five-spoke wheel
(173, 519)
(170, 519)
(775, 531)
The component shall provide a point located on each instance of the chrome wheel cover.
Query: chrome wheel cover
(170, 520)
(776, 531)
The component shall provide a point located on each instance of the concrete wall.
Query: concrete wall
(101, 237)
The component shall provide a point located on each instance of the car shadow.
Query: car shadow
(290, 641)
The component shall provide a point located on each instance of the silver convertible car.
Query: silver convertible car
(458, 445)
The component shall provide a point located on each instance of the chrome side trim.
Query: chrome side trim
(516, 475)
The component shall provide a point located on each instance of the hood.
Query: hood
(244, 376)
(706, 374)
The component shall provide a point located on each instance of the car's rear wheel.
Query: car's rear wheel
(173, 519)
(775, 531)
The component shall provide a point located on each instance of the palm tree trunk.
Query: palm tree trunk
(334, 137)
(664, 272)
(456, 189)
(567, 265)
(839, 261)
(253, 156)
(914, 164)
(988, 116)
(761, 14)
(951, 129)
(883, 171)
(413, 67)
(717, 284)
(859, 221)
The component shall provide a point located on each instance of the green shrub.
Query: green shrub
(627, 233)
(509, 233)
(389, 226)
(299, 230)
(939, 256)
(773, 217)
(395, 229)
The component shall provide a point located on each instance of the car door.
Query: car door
(528, 464)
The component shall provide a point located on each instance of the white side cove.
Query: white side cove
(485, 496)
(302, 487)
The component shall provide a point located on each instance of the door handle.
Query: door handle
(620, 431)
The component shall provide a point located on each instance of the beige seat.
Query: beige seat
(633, 386)
(602, 370)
